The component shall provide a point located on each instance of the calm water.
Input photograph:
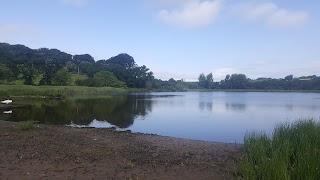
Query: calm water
(210, 116)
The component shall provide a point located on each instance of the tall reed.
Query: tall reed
(292, 152)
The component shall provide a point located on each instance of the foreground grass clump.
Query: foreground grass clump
(293, 152)
(26, 126)
(55, 91)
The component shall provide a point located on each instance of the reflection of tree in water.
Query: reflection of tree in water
(117, 110)
(235, 106)
(39, 111)
(205, 106)
(124, 115)
(205, 102)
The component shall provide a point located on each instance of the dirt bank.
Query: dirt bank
(51, 152)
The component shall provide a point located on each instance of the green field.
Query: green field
(292, 152)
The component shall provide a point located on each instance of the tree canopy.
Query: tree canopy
(52, 67)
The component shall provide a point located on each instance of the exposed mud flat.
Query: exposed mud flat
(52, 152)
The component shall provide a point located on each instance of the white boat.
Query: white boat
(7, 101)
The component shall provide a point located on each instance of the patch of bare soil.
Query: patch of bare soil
(57, 152)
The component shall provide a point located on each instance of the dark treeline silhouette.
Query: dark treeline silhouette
(240, 81)
(53, 67)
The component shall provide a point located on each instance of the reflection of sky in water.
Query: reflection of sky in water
(94, 123)
(210, 116)
(225, 116)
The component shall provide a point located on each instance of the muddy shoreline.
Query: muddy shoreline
(59, 152)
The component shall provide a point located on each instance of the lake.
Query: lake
(209, 116)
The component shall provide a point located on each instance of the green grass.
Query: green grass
(26, 126)
(55, 91)
(292, 152)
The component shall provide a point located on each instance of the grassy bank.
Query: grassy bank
(292, 152)
(55, 91)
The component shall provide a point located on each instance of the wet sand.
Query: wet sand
(58, 152)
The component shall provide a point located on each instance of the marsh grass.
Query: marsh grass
(55, 91)
(292, 152)
(26, 126)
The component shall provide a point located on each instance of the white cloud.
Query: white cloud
(270, 14)
(192, 13)
(285, 18)
(171, 2)
(251, 11)
(76, 3)
(220, 73)
(165, 75)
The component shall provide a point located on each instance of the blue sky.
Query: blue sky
(176, 38)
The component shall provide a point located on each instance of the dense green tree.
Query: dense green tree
(29, 64)
(71, 67)
(78, 59)
(106, 78)
(5, 73)
(19, 59)
(238, 81)
(102, 78)
(61, 78)
(29, 73)
(125, 69)
(51, 61)
(123, 60)
(89, 68)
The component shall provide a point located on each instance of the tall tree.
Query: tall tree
(206, 81)
(238, 81)
(124, 60)
(202, 80)
(78, 59)
(29, 73)
(61, 78)
(289, 77)
(5, 73)
(209, 81)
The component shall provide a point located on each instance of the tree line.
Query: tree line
(53, 67)
(240, 81)
(44, 66)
